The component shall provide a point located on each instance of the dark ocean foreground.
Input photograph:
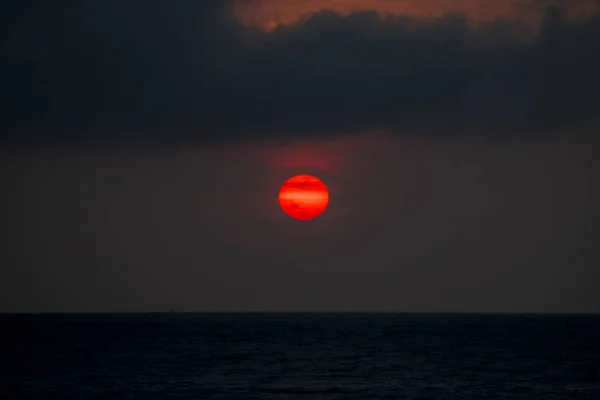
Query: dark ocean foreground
(300, 356)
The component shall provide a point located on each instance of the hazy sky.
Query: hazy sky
(143, 144)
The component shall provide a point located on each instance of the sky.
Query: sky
(143, 145)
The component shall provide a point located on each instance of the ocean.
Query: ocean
(300, 356)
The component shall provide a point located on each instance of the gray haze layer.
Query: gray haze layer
(412, 226)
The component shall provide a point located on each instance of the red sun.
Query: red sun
(303, 197)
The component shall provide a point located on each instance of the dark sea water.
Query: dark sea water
(300, 356)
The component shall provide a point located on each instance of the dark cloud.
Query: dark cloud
(146, 70)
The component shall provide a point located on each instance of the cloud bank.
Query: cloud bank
(100, 72)
(268, 14)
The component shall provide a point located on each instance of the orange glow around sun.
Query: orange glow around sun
(303, 197)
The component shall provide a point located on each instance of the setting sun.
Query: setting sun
(303, 197)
